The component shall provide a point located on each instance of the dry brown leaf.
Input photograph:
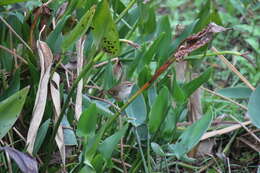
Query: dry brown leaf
(118, 70)
(205, 147)
(78, 104)
(25, 162)
(197, 40)
(55, 94)
(46, 58)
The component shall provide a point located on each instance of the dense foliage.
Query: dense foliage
(129, 85)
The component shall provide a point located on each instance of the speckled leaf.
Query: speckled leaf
(10, 109)
(105, 32)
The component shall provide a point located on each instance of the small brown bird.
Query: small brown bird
(121, 91)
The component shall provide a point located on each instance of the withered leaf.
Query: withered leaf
(198, 40)
(26, 163)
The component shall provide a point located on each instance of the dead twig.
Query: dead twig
(224, 130)
(14, 54)
(225, 98)
(233, 68)
(13, 31)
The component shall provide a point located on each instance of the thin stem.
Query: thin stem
(225, 98)
(251, 133)
(214, 54)
(130, 5)
(14, 54)
(13, 31)
(233, 68)
(141, 151)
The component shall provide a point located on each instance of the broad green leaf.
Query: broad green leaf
(191, 136)
(41, 135)
(98, 162)
(109, 78)
(147, 18)
(152, 95)
(79, 29)
(153, 49)
(105, 31)
(164, 50)
(137, 109)
(53, 36)
(237, 4)
(191, 87)
(102, 108)
(236, 92)
(144, 75)
(142, 132)
(157, 149)
(87, 121)
(204, 16)
(178, 93)
(254, 108)
(87, 169)
(8, 2)
(10, 109)
(110, 143)
(159, 110)
(169, 124)
(68, 132)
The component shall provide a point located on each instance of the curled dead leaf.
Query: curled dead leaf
(197, 40)
(25, 162)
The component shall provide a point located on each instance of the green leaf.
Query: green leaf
(105, 32)
(87, 121)
(110, 143)
(178, 94)
(169, 124)
(109, 78)
(137, 109)
(68, 133)
(254, 43)
(236, 92)
(191, 136)
(237, 4)
(41, 135)
(79, 29)
(53, 36)
(159, 110)
(102, 108)
(153, 49)
(191, 87)
(8, 2)
(10, 109)
(152, 95)
(87, 169)
(157, 149)
(254, 108)
(203, 16)
(98, 162)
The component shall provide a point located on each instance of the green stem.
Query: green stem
(141, 151)
(213, 54)
(130, 5)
